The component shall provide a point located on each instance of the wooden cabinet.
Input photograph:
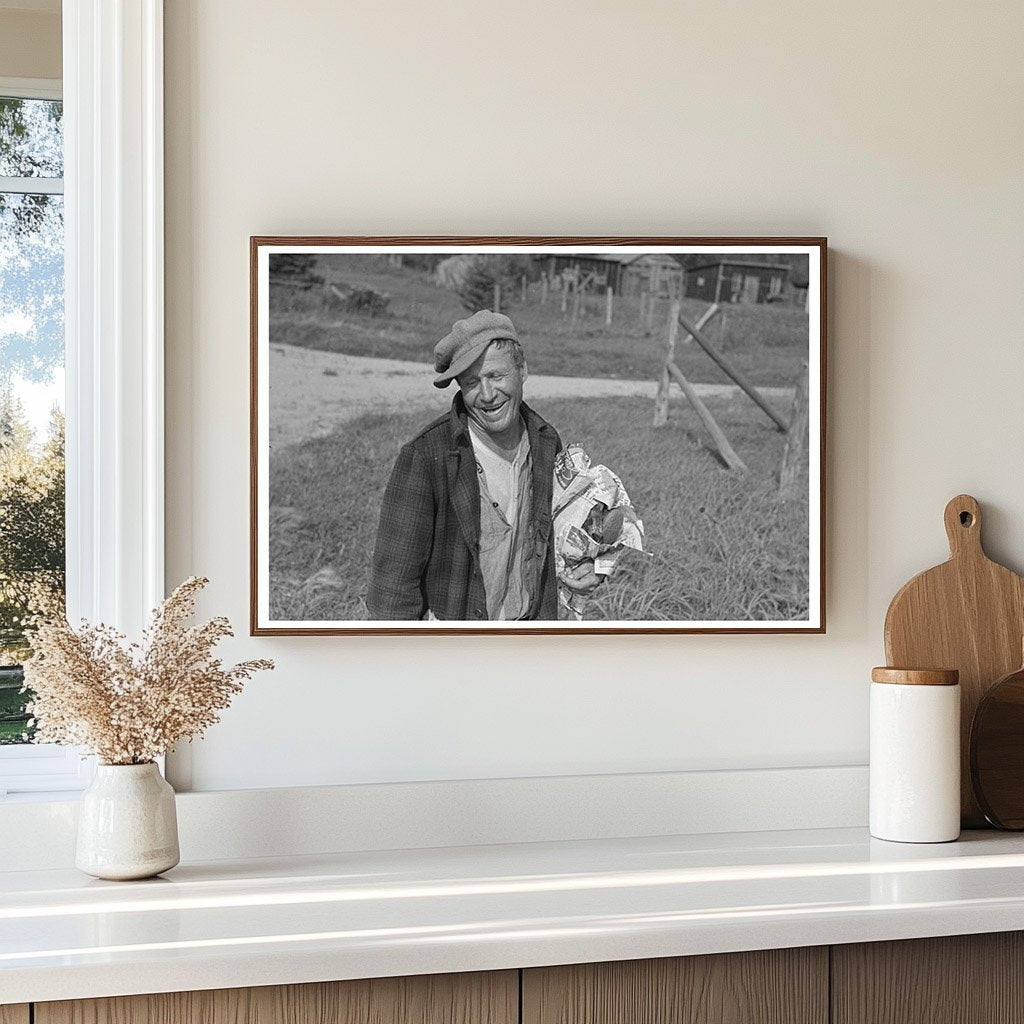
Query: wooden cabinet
(482, 998)
(962, 979)
(967, 979)
(776, 986)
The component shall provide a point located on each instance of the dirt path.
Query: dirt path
(311, 392)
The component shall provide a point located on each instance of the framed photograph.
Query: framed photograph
(537, 435)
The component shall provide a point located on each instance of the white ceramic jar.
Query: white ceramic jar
(915, 755)
(127, 823)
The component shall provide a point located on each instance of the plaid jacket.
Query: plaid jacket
(427, 551)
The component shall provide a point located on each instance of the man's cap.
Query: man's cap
(461, 348)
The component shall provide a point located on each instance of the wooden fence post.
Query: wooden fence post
(497, 297)
(643, 300)
(650, 310)
(565, 296)
(608, 308)
(796, 440)
(544, 290)
(577, 298)
(662, 399)
(664, 385)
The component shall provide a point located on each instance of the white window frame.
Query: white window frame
(114, 265)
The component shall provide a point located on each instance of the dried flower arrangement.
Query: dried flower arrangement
(130, 703)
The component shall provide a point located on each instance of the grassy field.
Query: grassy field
(766, 342)
(722, 546)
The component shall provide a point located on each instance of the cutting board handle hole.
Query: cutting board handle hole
(966, 519)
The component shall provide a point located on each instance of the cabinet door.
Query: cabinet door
(961, 979)
(14, 1014)
(777, 986)
(483, 998)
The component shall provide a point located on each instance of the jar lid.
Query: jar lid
(916, 676)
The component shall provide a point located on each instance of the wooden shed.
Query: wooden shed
(726, 280)
(655, 272)
(607, 269)
(628, 274)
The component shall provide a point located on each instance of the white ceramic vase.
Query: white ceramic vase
(127, 825)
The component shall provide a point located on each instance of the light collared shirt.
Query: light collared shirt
(506, 547)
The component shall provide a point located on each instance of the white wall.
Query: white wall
(30, 42)
(895, 129)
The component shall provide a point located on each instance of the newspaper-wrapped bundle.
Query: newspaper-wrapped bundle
(593, 520)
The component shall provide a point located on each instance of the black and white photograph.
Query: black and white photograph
(537, 435)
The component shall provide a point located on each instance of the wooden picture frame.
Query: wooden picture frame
(694, 369)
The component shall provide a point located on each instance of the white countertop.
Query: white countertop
(225, 924)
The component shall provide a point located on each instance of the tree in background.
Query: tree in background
(476, 288)
(32, 548)
(294, 268)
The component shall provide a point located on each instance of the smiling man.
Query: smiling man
(465, 524)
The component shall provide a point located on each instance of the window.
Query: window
(113, 332)
(31, 380)
(32, 533)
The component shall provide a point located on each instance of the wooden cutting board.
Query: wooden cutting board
(967, 614)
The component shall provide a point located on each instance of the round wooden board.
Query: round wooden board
(967, 613)
(997, 752)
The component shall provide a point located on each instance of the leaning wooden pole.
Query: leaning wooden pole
(735, 374)
(705, 319)
(728, 454)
